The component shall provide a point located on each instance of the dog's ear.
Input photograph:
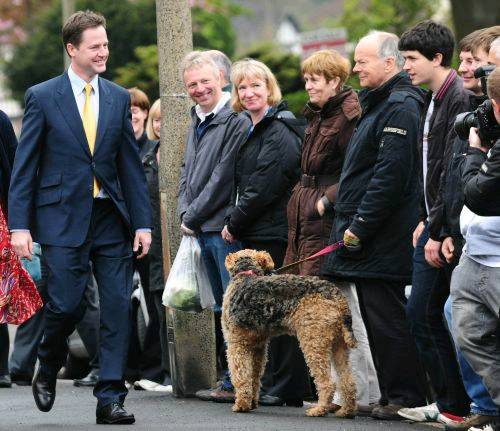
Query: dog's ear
(264, 260)
(230, 261)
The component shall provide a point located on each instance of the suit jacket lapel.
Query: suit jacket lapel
(105, 106)
(67, 105)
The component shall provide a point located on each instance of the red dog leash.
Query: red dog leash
(326, 250)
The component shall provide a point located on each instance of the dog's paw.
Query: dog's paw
(241, 408)
(317, 411)
(344, 413)
(255, 403)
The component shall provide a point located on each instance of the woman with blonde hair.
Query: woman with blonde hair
(266, 169)
(153, 125)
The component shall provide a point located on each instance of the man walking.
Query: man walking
(376, 211)
(78, 188)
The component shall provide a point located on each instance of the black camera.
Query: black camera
(482, 73)
(483, 119)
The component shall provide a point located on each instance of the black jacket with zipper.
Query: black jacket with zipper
(378, 191)
(266, 169)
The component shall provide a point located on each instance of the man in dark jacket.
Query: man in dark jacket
(475, 288)
(376, 208)
(428, 51)
(473, 50)
(214, 136)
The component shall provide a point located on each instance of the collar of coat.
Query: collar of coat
(345, 100)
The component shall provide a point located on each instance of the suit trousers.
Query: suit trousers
(108, 247)
(4, 349)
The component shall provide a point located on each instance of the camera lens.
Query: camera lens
(463, 124)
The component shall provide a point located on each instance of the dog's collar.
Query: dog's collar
(247, 272)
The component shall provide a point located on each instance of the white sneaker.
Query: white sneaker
(420, 414)
(485, 428)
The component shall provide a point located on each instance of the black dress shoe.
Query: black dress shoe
(88, 381)
(269, 400)
(44, 390)
(113, 414)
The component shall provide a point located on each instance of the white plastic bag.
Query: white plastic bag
(188, 286)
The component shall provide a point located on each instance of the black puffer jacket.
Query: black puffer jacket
(378, 191)
(267, 167)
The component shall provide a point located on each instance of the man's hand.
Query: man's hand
(475, 140)
(448, 248)
(432, 249)
(186, 231)
(144, 239)
(417, 232)
(226, 236)
(22, 243)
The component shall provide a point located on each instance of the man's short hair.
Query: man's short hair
(328, 63)
(222, 61)
(139, 98)
(486, 38)
(250, 68)
(197, 59)
(79, 22)
(493, 85)
(467, 44)
(429, 38)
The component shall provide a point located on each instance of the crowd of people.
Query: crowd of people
(381, 170)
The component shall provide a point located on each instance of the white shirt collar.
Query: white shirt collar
(226, 96)
(78, 84)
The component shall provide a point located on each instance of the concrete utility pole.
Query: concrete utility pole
(68, 9)
(191, 337)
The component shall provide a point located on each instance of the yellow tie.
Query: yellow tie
(90, 128)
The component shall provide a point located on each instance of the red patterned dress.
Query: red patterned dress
(19, 297)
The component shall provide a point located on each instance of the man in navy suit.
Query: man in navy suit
(78, 188)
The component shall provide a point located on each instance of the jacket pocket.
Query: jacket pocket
(50, 181)
(48, 197)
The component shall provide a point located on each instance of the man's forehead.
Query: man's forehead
(199, 72)
(93, 34)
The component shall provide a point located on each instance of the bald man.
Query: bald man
(376, 212)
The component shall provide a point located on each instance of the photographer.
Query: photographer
(475, 286)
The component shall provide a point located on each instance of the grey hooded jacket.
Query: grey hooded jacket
(208, 168)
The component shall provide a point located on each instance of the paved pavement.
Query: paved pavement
(74, 410)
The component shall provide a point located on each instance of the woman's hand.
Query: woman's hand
(320, 206)
(226, 236)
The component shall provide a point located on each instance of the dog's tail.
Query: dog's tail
(347, 332)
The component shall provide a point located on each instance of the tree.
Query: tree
(129, 24)
(286, 68)
(131, 27)
(468, 16)
(394, 16)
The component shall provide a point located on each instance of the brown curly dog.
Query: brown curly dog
(257, 307)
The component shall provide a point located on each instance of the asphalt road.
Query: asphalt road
(74, 409)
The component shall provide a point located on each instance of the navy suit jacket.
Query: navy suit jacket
(51, 191)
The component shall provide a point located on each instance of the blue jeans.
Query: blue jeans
(430, 290)
(481, 404)
(213, 252)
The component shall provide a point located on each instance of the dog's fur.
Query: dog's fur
(258, 306)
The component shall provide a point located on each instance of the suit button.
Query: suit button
(91, 187)
(93, 165)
